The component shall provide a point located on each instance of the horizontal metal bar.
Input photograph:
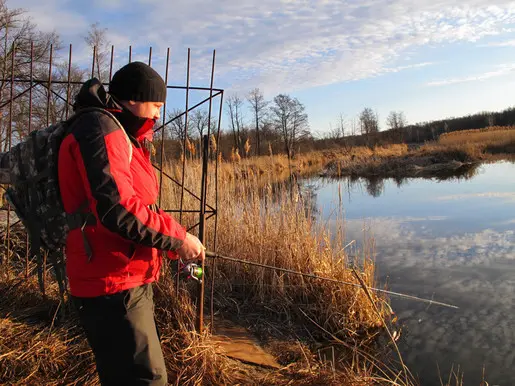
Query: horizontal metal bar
(195, 88)
(175, 87)
(189, 110)
(187, 211)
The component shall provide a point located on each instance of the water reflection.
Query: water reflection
(450, 237)
(374, 185)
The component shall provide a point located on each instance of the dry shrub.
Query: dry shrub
(271, 223)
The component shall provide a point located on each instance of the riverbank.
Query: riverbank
(452, 153)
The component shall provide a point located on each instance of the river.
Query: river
(450, 239)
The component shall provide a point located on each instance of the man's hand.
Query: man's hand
(192, 249)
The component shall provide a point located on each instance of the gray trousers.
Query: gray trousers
(122, 333)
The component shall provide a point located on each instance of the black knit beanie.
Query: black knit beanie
(139, 82)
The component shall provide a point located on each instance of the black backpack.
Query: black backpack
(35, 196)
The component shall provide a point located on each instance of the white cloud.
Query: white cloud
(53, 15)
(501, 70)
(404, 244)
(508, 222)
(108, 4)
(510, 196)
(291, 45)
(508, 43)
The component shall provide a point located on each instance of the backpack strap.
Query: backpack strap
(56, 259)
(34, 229)
(110, 115)
(79, 220)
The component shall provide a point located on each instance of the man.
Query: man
(105, 170)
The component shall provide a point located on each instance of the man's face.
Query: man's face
(145, 109)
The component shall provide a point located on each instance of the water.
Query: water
(453, 240)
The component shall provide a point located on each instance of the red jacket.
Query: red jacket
(94, 166)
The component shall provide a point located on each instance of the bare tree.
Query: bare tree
(20, 45)
(339, 130)
(258, 106)
(396, 120)
(290, 120)
(368, 121)
(199, 122)
(177, 127)
(490, 119)
(234, 104)
(353, 127)
(97, 39)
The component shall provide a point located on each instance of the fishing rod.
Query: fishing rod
(312, 276)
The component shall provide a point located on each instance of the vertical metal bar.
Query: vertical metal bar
(7, 229)
(13, 55)
(202, 230)
(49, 88)
(68, 86)
(29, 129)
(31, 84)
(150, 57)
(111, 64)
(185, 133)
(213, 270)
(10, 129)
(211, 94)
(93, 62)
(184, 150)
(206, 182)
(163, 132)
(130, 54)
(49, 93)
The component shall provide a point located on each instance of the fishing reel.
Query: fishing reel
(190, 271)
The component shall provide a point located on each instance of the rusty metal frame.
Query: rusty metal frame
(205, 211)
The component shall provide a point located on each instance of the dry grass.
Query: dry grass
(274, 167)
(453, 154)
(495, 135)
(35, 348)
(272, 224)
(259, 221)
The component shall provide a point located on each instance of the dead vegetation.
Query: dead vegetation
(452, 154)
(295, 318)
(456, 152)
(270, 225)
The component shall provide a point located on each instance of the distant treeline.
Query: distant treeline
(272, 142)
(420, 132)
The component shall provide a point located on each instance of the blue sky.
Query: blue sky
(429, 58)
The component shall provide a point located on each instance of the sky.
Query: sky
(431, 59)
